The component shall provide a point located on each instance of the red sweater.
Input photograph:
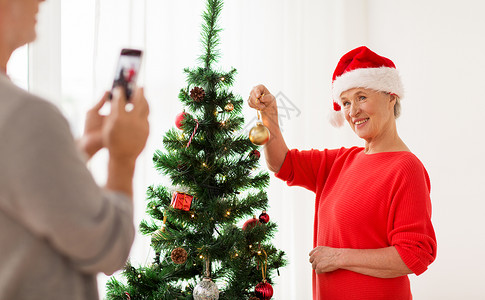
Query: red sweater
(366, 202)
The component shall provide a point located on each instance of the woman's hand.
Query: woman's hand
(381, 263)
(261, 99)
(92, 139)
(324, 259)
(275, 149)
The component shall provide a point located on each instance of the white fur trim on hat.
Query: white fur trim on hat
(336, 118)
(383, 79)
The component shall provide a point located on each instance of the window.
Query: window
(18, 67)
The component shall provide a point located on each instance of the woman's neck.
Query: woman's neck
(387, 141)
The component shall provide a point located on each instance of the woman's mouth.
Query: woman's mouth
(360, 122)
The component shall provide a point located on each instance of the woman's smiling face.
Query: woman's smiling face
(368, 112)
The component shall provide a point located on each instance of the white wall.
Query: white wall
(439, 47)
(292, 46)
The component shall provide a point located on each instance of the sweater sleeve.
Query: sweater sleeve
(47, 188)
(410, 229)
(307, 168)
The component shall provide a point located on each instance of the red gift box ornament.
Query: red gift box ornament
(181, 201)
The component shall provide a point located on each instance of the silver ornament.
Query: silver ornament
(206, 290)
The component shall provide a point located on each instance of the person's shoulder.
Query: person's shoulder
(11, 92)
(345, 151)
(407, 158)
(407, 164)
(17, 101)
(396, 161)
(24, 111)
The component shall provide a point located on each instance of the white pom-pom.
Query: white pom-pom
(336, 118)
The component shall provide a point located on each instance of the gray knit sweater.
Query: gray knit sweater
(58, 229)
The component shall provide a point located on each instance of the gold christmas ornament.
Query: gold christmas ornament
(229, 107)
(259, 134)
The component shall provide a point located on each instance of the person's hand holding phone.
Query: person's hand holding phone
(125, 132)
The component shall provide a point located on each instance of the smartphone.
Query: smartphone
(127, 71)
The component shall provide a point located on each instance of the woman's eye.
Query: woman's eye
(346, 104)
(362, 98)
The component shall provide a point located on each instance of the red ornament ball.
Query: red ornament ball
(251, 223)
(264, 290)
(255, 154)
(180, 117)
(264, 217)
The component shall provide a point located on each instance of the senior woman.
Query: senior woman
(372, 207)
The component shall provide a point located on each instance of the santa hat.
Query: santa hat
(363, 68)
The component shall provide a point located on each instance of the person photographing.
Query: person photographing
(58, 227)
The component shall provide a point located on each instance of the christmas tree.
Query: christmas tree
(200, 252)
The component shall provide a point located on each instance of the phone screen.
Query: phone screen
(127, 70)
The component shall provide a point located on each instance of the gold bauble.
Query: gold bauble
(229, 107)
(259, 134)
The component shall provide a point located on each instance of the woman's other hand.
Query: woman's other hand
(382, 262)
(324, 259)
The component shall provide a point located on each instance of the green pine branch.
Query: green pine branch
(210, 32)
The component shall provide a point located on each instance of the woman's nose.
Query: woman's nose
(354, 110)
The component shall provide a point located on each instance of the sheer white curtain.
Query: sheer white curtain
(18, 67)
(292, 47)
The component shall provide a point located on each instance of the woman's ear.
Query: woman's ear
(392, 100)
(396, 104)
(393, 97)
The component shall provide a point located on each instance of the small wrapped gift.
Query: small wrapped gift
(181, 201)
